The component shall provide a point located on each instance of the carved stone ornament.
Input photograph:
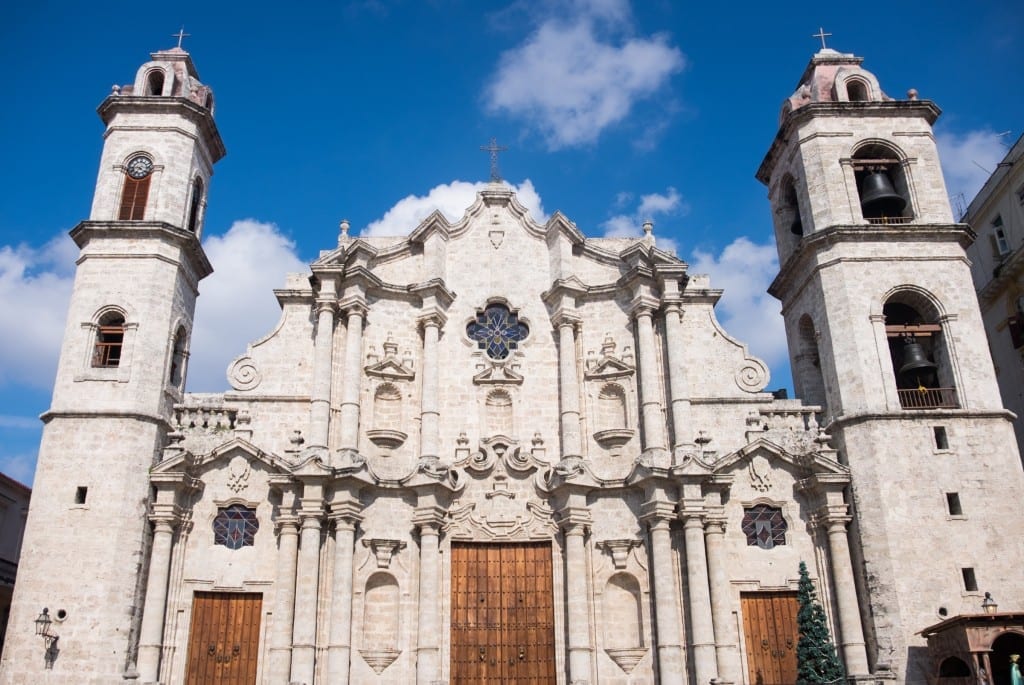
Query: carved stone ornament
(760, 473)
(379, 659)
(618, 550)
(752, 375)
(390, 367)
(498, 373)
(627, 659)
(384, 550)
(238, 474)
(243, 374)
(495, 449)
(609, 365)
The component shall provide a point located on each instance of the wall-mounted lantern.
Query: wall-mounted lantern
(43, 629)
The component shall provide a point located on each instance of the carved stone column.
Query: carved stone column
(726, 645)
(575, 523)
(307, 579)
(834, 520)
(323, 348)
(284, 599)
(679, 394)
(668, 619)
(430, 434)
(152, 630)
(428, 652)
(568, 386)
(339, 648)
(353, 377)
(650, 403)
(702, 638)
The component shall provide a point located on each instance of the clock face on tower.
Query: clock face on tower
(139, 166)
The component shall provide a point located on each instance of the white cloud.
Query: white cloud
(968, 160)
(237, 305)
(580, 73)
(630, 225)
(452, 200)
(745, 269)
(35, 285)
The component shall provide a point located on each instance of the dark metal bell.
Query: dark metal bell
(916, 361)
(878, 197)
(797, 227)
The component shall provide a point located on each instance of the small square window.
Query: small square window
(953, 504)
(941, 439)
(81, 493)
(970, 581)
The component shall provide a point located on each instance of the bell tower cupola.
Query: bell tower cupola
(161, 146)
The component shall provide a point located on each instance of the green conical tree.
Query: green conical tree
(816, 660)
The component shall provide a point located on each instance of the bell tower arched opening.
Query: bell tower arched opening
(882, 186)
(920, 360)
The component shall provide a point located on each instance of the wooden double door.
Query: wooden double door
(770, 631)
(223, 645)
(502, 618)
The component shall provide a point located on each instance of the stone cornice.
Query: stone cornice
(926, 109)
(88, 230)
(159, 104)
(799, 266)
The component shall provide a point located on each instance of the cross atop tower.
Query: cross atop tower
(180, 35)
(822, 35)
(494, 149)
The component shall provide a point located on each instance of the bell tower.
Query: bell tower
(122, 368)
(886, 336)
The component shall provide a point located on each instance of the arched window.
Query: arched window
(137, 174)
(178, 356)
(882, 185)
(387, 408)
(807, 375)
(195, 205)
(918, 353)
(109, 341)
(611, 403)
(155, 82)
(499, 413)
(954, 667)
(857, 90)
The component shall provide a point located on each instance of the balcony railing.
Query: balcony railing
(928, 398)
(883, 220)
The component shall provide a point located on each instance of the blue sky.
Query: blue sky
(375, 111)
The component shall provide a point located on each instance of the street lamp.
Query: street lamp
(988, 605)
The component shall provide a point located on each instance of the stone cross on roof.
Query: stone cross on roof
(494, 149)
(822, 35)
(180, 35)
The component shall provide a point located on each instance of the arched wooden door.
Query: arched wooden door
(771, 635)
(502, 614)
(223, 645)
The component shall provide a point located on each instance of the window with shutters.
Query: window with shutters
(109, 341)
(135, 193)
(195, 205)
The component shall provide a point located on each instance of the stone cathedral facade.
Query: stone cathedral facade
(499, 451)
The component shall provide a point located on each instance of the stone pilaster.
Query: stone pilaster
(323, 348)
(575, 522)
(339, 648)
(568, 385)
(702, 638)
(726, 640)
(834, 519)
(668, 620)
(307, 580)
(430, 431)
(280, 638)
(353, 373)
(152, 630)
(428, 652)
(652, 418)
(679, 393)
